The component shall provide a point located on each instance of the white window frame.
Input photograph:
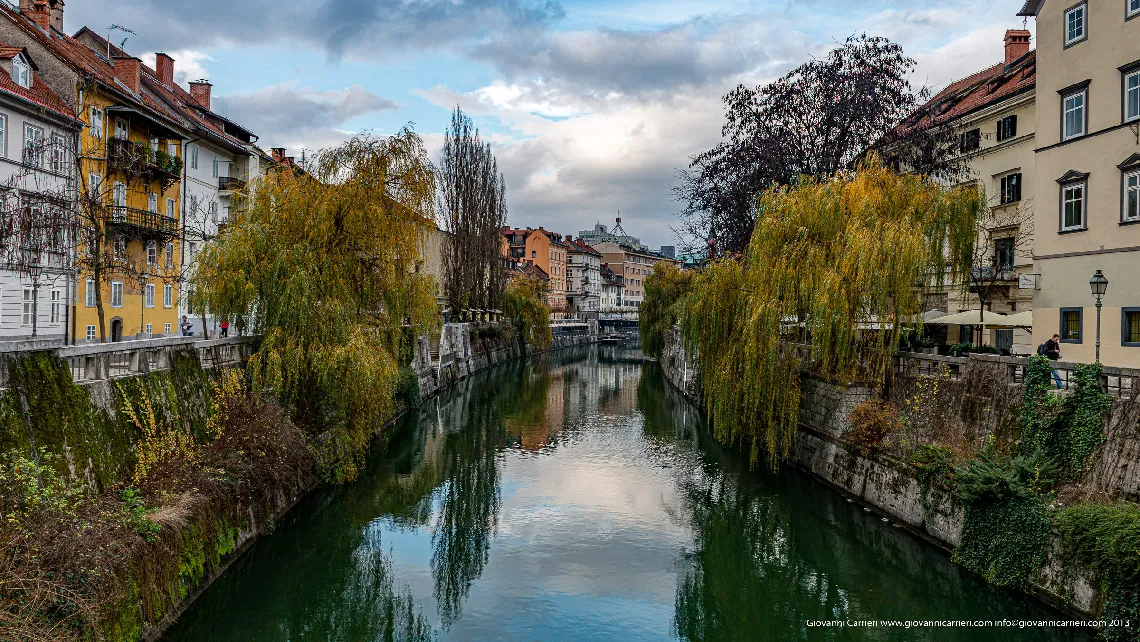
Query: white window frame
(90, 334)
(122, 128)
(96, 122)
(216, 163)
(89, 294)
(193, 157)
(94, 184)
(27, 307)
(56, 306)
(149, 328)
(167, 296)
(22, 71)
(1083, 10)
(119, 245)
(1084, 201)
(120, 194)
(1131, 186)
(171, 149)
(171, 209)
(116, 294)
(151, 252)
(3, 135)
(168, 253)
(149, 290)
(1132, 96)
(1083, 94)
(1132, 9)
(58, 153)
(33, 133)
(166, 328)
(152, 203)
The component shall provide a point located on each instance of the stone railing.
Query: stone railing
(1115, 381)
(99, 361)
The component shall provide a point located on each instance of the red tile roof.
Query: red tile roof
(578, 245)
(39, 93)
(983, 89)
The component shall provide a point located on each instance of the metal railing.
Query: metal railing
(1117, 382)
(229, 183)
(142, 219)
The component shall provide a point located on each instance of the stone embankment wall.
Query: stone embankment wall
(77, 417)
(891, 487)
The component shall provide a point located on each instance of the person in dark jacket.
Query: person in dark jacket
(1052, 349)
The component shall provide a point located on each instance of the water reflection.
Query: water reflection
(580, 498)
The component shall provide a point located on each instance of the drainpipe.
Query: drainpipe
(72, 313)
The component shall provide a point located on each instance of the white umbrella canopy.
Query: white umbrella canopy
(971, 317)
(1019, 320)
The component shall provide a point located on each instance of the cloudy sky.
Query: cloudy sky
(591, 105)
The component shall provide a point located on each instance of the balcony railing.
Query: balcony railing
(142, 221)
(136, 159)
(988, 273)
(230, 184)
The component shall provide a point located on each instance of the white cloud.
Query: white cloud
(188, 64)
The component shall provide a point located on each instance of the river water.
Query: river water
(579, 498)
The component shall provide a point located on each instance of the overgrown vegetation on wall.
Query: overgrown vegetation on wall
(100, 543)
(658, 312)
(526, 309)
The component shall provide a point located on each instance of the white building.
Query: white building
(37, 193)
(612, 289)
(583, 277)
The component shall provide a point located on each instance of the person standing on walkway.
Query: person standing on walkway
(1052, 349)
(185, 326)
(225, 326)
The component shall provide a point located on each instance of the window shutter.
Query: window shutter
(1011, 130)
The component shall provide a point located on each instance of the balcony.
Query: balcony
(988, 274)
(137, 160)
(142, 223)
(230, 184)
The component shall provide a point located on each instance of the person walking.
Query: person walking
(185, 326)
(225, 326)
(1052, 349)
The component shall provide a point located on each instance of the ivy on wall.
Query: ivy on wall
(1106, 538)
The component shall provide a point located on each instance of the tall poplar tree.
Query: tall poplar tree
(473, 208)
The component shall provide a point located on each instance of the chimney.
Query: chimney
(1016, 45)
(37, 11)
(278, 154)
(200, 92)
(164, 67)
(128, 70)
(57, 15)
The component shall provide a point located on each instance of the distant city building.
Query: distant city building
(633, 264)
(668, 251)
(583, 276)
(602, 234)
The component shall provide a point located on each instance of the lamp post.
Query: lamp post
(35, 269)
(1099, 285)
(142, 290)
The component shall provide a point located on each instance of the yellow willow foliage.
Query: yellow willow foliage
(525, 306)
(836, 268)
(657, 315)
(322, 265)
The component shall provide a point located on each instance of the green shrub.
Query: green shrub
(408, 388)
(935, 470)
(1106, 539)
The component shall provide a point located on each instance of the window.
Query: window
(3, 135)
(169, 255)
(533, 254)
(56, 306)
(936, 301)
(97, 122)
(1071, 325)
(152, 202)
(214, 212)
(1133, 8)
(150, 295)
(1132, 96)
(1075, 28)
(21, 71)
(94, 184)
(33, 145)
(172, 149)
(58, 153)
(191, 250)
(120, 194)
(1130, 327)
(89, 294)
(116, 294)
(166, 328)
(1073, 206)
(119, 245)
(122, 128)
(170, 209)
(90, 333)
(215, 167)
(29, 304)
(1003, 254)
(151, 252)
(1131, 196)
(168, 296)
(1073, 120)
(193, 157)
(1006, 128)
(149, 328)
(1010, 185)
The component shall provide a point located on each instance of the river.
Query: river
(579, 498)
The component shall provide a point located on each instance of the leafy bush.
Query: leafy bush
(1072, 432)
(871, 421)
(658, 314)
(935, 469)
(961, 349)
(1106, 539)
(137, 515)
(408, 388)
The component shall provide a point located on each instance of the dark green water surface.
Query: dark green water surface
(579, 498)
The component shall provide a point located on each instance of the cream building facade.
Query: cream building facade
(1088, 176)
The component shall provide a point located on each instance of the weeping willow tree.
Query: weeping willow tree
(657, 316)
(321, 264)
(525, 306)
(835, 270)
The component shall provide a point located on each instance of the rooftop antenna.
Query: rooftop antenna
(618, 228)
(118, 27)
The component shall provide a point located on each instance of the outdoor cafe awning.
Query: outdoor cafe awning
(971, 317)
(1019, 320)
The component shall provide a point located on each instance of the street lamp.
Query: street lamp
(143, 278)
(35, 269)
(1099, 285)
